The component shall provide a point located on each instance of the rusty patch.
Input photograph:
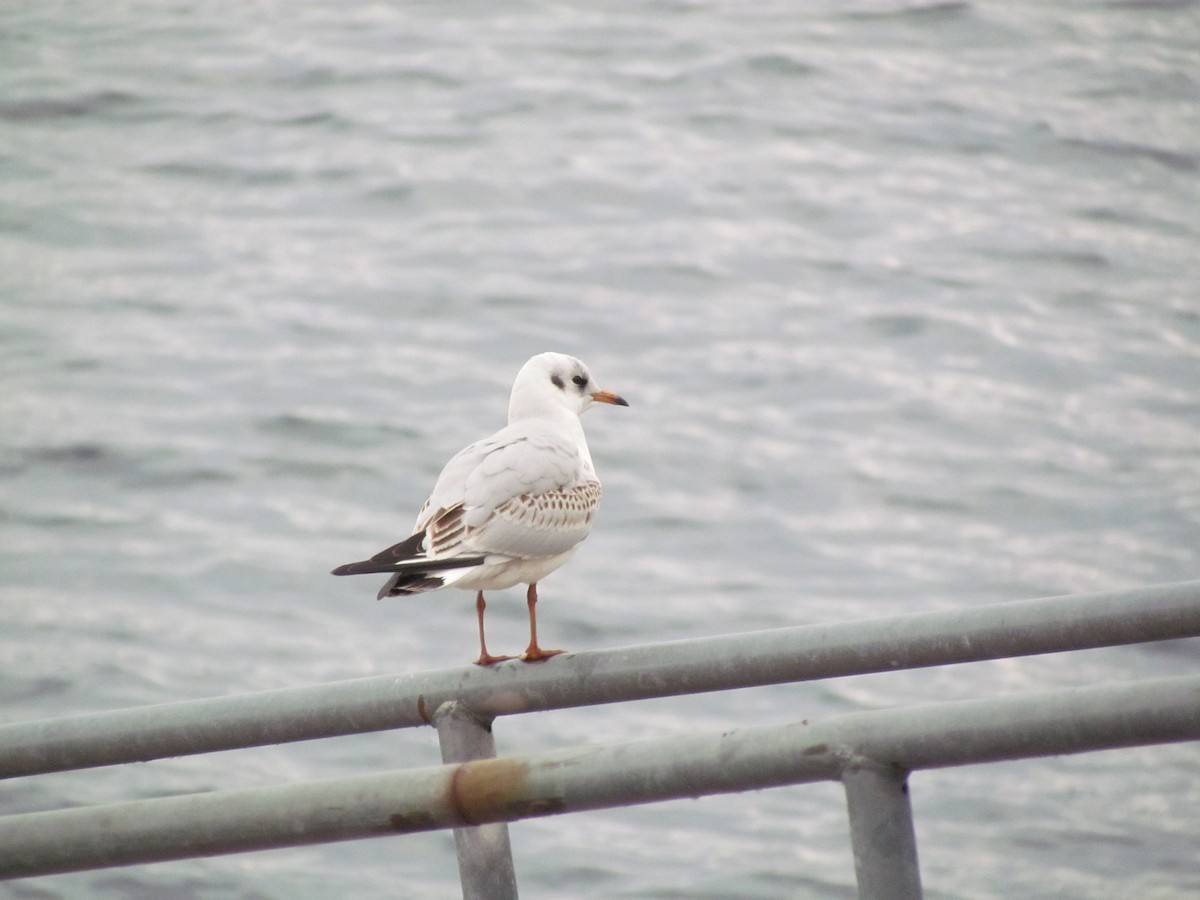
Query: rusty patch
(544, 807)
(414, 821)
(816, 750)
(487, 789)
(422, 711)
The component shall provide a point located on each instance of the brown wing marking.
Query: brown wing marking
(573, 507)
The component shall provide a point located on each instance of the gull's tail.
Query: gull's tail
(411, 571)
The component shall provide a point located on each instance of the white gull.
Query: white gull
(511, 508)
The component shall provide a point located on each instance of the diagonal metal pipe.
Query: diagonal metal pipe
(512, 788)
(803, 653)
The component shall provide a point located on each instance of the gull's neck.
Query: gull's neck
(562, 420)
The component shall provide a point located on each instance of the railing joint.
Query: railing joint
(457, 711)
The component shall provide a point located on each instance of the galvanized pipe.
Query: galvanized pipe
(485, 861)
(507, 789)
(881, 831)
(581, 679)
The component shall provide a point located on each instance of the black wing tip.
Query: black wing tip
(364, 567)
(374, 567)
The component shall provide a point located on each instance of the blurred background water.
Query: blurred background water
(903, 297)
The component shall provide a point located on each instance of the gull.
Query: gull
(511, 508)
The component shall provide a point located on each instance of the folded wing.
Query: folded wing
(521, 494)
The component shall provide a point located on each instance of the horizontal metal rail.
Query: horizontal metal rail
(803, 653)
(507, 789)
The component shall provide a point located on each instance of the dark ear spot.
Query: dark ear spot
(558, 382)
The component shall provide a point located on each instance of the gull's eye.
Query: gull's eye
(579, 380)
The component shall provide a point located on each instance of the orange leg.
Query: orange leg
(534, 653)
(485, 658)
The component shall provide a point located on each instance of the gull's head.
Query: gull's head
(551, 382)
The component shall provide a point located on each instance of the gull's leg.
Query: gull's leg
(534, 653)
(485, 658)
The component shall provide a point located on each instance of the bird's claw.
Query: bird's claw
(488, 660)
(537, 654)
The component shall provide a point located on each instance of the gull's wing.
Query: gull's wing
(526, 492)
(539, 525)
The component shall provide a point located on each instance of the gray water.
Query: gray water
(903, 297)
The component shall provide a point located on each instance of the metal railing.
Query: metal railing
(475, 793)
